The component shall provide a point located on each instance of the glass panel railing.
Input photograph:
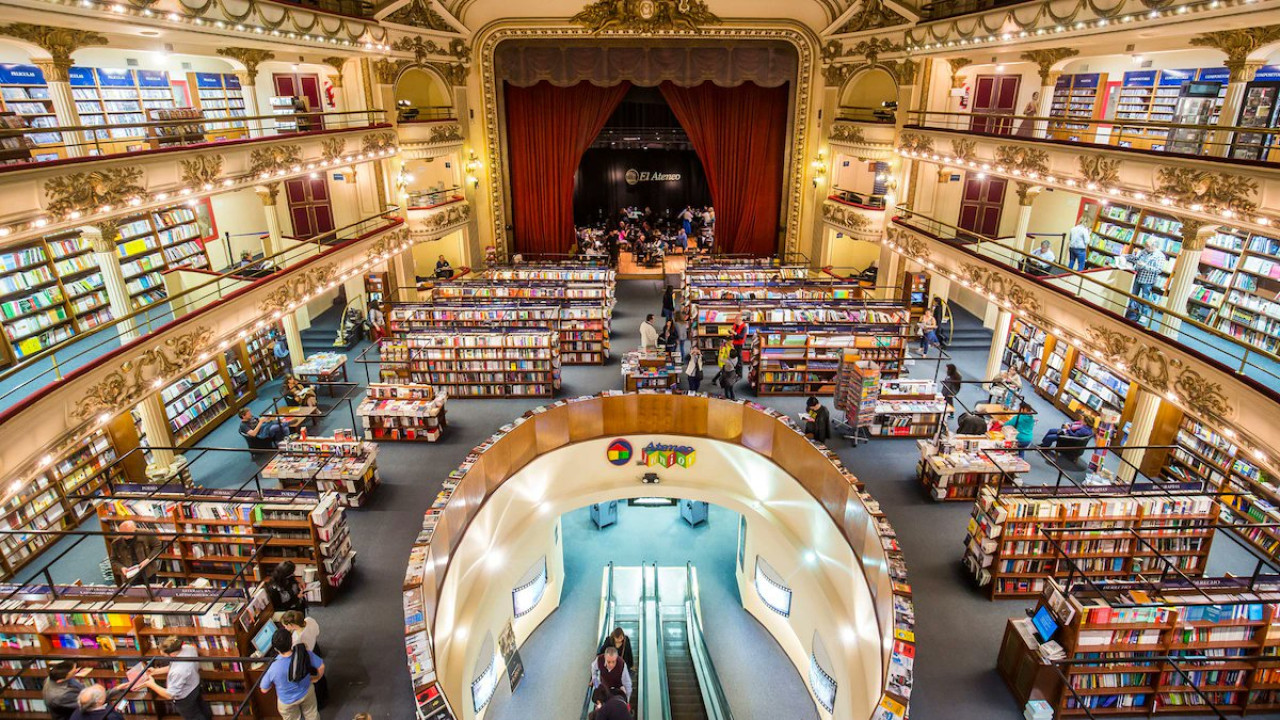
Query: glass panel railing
(52, 364)
(171, 128)
(608, 610)
(656, 704)
(879, 115)
(714, 700)
(1238, 143)
(410, 113)
(1109, 289)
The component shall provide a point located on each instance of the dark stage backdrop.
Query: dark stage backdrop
(602, 183)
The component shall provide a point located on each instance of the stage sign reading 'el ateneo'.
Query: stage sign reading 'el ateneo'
(664, 180)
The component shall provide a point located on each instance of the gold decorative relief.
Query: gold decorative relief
(1213, 191)
(454, 73)
(376, 142)
(964, 150)
(872, 16)
(420, 48)
(420, 14)
(958, 64)
(250, 57)
(201, 170)
(845, 133)
(1025, 159)
(451, 132)
(274, 158)
(904, 71)
(835, 75)
(845, 216)
(87, 192)
(915, 247)
(135, 378)
(991, 281)
(1045, 59)
(57, 41)
(448, 216)
(1101, 170)
(1238, 44)
(1150, 367)
(388, 70)
(645, 16)
(298, 289)
(388, 243)
(915, 142)
(873, 47)
(1027, 193)
(337, 63)
(333, 148)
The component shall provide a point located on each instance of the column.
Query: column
(101, 238)
(1144, 421)
(402, 271)
(1047, 82)
(999, 338)
(250, 103)
(887, 279)
(1186, 266)
(1027, 195)
(156, 425)
(1242, 73)
(57, 74)
(910, 98)
(274, 242)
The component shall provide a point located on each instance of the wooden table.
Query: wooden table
(296, 416)
(323, 368)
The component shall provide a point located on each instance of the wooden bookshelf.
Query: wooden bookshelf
(196, 403)
(25, 93)
(305, 527)
(857, 389)
(583, 327)
(1228, 631)
(36, 314)
(710, 290)
(94, 620)
(1008, 555)
(219, 96)
(1077, 100)
(956, 467)
(1116, 229)
(378, 291)
(468, 363)
(1025, 350)
(915, 293)
(403, 412)
(263, 362)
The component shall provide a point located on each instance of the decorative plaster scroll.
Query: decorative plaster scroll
(845, 216)
(389, 243)
(1045, 59)
(916, 247)
(337, 64)
(453, 73)
(964, 150)
(685, 63)
(645, 17)
(273, 158)
(872, 16)
(375, 142)
(998, 284)
(915, 142)
(1238, 44)
(421, 49)
(420, 14)
(250, 57)
(843, 132)
(1149, 365)
(388, 70)
(903, 71)
(451, 132)
(58, 42)
(88, 192)
(836, 75)
(298, 289)
(133, 379)
(201, 170)
(1214, 191)
(333, 148)
(1024, 159)
(874, 46)
(958, 64)
(1098, 169)
(447, 216)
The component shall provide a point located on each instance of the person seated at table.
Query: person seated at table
(261, 430)
(444, 270)
(971, 423)
(298, 394)
(1044, 259)
(1075, 429)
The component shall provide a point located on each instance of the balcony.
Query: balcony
(350, 8)
(943, 9)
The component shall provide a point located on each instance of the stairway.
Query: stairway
(319, 337)
(683, 691)
(967, 332)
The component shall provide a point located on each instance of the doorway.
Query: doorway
(309, 207)
(981, 204)
(305, 86)
(995, 99)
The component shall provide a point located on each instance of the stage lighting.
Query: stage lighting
(889, 104)
(650, 479)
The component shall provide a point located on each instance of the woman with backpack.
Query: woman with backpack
(293, 674)
(729, 374)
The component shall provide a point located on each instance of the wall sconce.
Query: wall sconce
(473, 166)
(819, 169)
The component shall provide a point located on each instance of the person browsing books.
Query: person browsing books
(298, 394)
(648, 334)
(817, 420)
(272, 431)
(133, 555)
(284, 590)
(93, 705)
(182, 681)
(306, 632)
(1025, 425)
(293, 678)
(62, 688)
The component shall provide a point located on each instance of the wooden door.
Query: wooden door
(981, 203)
(309, 207)
(286, 85)
(994, 96)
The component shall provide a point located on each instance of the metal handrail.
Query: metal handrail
(714, 700)
(1094, 292)
(209, 290)
(877, 115)
(346, 119)
(1213, 136)
(657, 704)
(607, 614)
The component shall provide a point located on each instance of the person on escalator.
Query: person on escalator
(618, 640)
(610, 672)
(608, 706)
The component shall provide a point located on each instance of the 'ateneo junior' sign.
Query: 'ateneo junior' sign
(667, 455)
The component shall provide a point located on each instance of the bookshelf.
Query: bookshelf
(915, 293)
(25, 93)
(1076, 97)
(303, 526)
(188, 133)
(218, 96)
(542, 290)
(94, 620)
(377, 289)
(857, 389)
(107, 97)
(650, 370)
(908, 408)
(1006, 552)
(341, 464)
(956, 467)
(33, 304)
(413, 413)
(1118, 226)
(472, 363)
(1025, 350)
(196, 403)
(1224, 632)
(263, 363)
(583, 327)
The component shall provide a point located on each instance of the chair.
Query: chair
(1071, 448)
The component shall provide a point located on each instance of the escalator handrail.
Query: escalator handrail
(713, 697)
(657, 704)
(606, 625)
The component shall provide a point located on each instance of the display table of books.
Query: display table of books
(956, 466)
(323, 367)
(908, 408)
(649, 370)
(413, 413)
(343, 464)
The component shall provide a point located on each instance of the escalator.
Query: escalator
(684, 693)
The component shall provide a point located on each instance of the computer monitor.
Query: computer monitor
(1044, 623)
(262, 641)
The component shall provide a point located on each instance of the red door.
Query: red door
(309, 207)
(981, 205)
(306, 87)
(994, 96)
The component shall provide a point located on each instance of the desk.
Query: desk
(649, 370)
(296, 416)
(323, 367)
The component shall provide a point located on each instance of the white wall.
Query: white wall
(845, 253)
(238, 213)
(452, 246)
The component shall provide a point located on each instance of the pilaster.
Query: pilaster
(101, 238)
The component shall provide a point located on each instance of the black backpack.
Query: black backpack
(300, 664)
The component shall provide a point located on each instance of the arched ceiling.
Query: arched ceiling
(816, 14)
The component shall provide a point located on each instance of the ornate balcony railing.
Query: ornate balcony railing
(943, 9)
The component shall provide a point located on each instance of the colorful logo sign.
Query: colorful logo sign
(667, 455)
(619, 452)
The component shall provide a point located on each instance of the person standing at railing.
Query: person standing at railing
(1077, 245)
(1027, 127)
(1147, 263)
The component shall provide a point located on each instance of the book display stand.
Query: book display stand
(403, 412)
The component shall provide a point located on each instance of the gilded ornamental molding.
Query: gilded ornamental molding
(249, 57)
(420, 14)
(915, 247)
(89, 192)
(389, 244)
(1099, 169)
(1048, 57)
(298, 289)
(134, 378)
(447, 216)
(1210, 190)
(872, 16)
(337, 63)
(1026, 160)
(1238, 44)
(201, 170)
(270, 160)
(845, 216)
(377, 142)
(447, 133)
(915, 142)
(57, 41)
(645, 17)
(1019, 294)
(1150, 366)
(387, 71)
(333, 148)
(965, 150)
(958, 64)
(845, 133)
(873, 47)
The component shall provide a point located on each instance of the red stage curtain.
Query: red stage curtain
(739, 134)
(548, 130)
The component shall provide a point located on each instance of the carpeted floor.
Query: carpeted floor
(958, 630)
